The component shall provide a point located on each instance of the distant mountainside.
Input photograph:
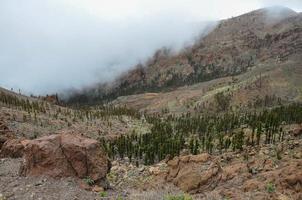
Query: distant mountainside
(266, 37)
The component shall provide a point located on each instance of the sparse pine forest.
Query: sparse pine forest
(171, 134)
(78, 113)
(204, 133)
(201, 73)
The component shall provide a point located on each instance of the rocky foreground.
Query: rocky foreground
(267, 172)
(66, 166)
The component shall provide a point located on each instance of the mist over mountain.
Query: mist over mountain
(269, 36)
(54, 45)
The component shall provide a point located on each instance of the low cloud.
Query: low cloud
(51, 45)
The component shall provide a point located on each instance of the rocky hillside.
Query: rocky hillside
(270, 36)
(264, 85)
(30, 117)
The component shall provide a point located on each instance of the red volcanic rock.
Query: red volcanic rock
(12, 148)
(65, 155)
(297, 131)
(5, 133)
(194, 173)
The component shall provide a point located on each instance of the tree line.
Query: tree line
(212, 133)
(83, 113)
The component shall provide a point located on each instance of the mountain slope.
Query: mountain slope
(29, 117)
(271, 36)
(263, 85)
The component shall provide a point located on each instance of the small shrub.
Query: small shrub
(223, 101)
(104, 194)
(89, 181)
(270, 187)
(119, 198)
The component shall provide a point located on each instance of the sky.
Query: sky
(48, 46)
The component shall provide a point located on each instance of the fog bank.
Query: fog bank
(52, 45)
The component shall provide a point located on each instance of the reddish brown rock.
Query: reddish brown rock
(253, 184)
(229, 172)
(192, 179)
(297, 131)
(65, 155)
(155, 170)
(194, 173)
(84, 186)
(173, 168)
(268, 165)
(97, 189)
(287, 177)
(238, 178)
(291, 176)
(185, 158)
(200, 158)
(5, 133)
(173, 162)
(12, 148)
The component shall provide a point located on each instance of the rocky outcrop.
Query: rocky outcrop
(9, 146)
(194, 173)
(287, 177)
(229, 178)
(12, 148)
(5, 133)
(65, 155)
(296, 131)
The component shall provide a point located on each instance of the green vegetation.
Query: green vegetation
(103, 194)
(204, 133)
(35, 107)
(89, 181)
(202, 73)
(24, 104)
(270, 188)
(170, 134)
(119, 198)
(223, 101)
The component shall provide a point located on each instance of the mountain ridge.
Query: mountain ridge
(234, 46)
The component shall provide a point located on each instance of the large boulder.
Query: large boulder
(65, 155)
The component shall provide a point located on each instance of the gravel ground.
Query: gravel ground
(14, 187)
